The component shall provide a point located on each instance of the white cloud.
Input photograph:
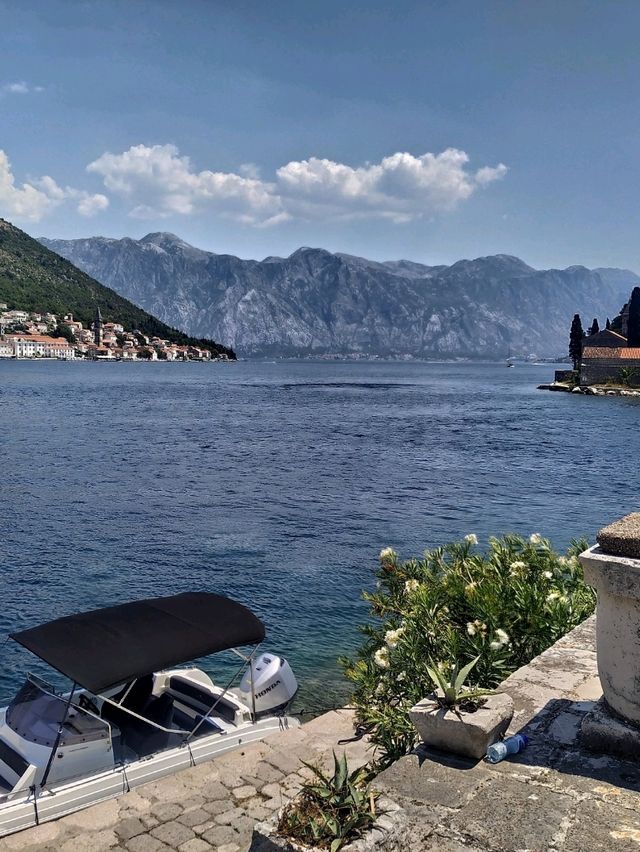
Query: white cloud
(19, 88)
(34, 199)
(90, 205)
(158, 181)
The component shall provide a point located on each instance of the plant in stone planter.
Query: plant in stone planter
(461, 719)
(330, 811)
(452, 694)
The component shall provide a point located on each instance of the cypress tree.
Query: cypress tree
(595, 326)
(575, 341)
(633, 331)
(608, 323)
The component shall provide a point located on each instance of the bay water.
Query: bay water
(278, 484)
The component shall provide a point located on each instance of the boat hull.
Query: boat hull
(57, 800)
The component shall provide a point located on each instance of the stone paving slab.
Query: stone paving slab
(214, 805)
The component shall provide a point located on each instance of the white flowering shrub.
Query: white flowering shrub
(503, 606)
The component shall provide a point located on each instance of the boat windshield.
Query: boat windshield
(36, 714)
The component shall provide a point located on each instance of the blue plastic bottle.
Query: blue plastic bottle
(512, 745)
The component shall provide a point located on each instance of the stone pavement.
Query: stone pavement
(553, 796)
(212, 806)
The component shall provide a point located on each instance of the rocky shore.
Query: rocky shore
(590, 390)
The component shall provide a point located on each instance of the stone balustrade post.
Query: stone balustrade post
(612, 567)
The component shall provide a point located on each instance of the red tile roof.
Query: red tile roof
(622, 353)
(39, 338)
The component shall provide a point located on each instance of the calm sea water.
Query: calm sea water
(278, 483)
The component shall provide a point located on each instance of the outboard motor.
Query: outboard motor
(274, 685)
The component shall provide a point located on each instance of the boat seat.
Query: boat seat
(136, 700)
(199, 700)
(187, 722)
(146, 739)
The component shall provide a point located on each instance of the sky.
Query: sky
(424, 130)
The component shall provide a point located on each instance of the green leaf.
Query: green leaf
(342, 771)
(464, 673)
(437, 677)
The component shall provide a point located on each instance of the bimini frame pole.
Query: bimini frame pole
(246, 660)
(56, 742)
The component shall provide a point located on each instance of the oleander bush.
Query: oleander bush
(503, 606)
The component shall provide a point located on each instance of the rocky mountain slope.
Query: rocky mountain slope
(318, 302)
(33, 278)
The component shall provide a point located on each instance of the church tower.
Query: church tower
(97, 328)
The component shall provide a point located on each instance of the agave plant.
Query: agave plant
(452, 686)
(330, 811)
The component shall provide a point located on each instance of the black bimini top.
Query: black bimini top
(107, 647)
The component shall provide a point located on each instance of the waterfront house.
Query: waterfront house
(39, 346)
(605, 355)
(602, 364)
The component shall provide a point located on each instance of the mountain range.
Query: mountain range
(35, 279)
(316, 302)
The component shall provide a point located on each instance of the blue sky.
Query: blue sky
(425, 130)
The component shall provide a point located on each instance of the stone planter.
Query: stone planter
(616, 579)
(469, 734)
(388, 833)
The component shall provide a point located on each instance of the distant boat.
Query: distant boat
(509, 359)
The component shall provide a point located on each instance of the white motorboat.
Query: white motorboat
(132, 715)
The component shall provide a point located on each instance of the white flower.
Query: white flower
(411, 586)
(472, 538)
(471, 587)
(387, 554)
(379, 689)
(563, 560)
(553, 596)
(381, 658)
(535, 538)
(518, 566)
(501, 639)
(471, 628)
(547, 574)
(391, 637)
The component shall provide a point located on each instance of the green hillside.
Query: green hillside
(32, 278)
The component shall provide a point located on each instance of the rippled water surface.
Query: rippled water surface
(279, 483)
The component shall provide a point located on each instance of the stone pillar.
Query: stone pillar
(613, 568)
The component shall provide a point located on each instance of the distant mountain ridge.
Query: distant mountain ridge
(34, 278)
(316, 302)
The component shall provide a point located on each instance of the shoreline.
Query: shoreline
(590, 390)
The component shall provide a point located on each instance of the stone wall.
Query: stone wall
(564, 375)
(594, 372)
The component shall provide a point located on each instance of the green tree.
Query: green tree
(595, 327)
(65, 331)
(608, 323)
(633, 329)
(575, 341)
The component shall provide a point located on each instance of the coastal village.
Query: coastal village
(25, 334)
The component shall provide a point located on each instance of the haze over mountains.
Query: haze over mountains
(315, 301)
